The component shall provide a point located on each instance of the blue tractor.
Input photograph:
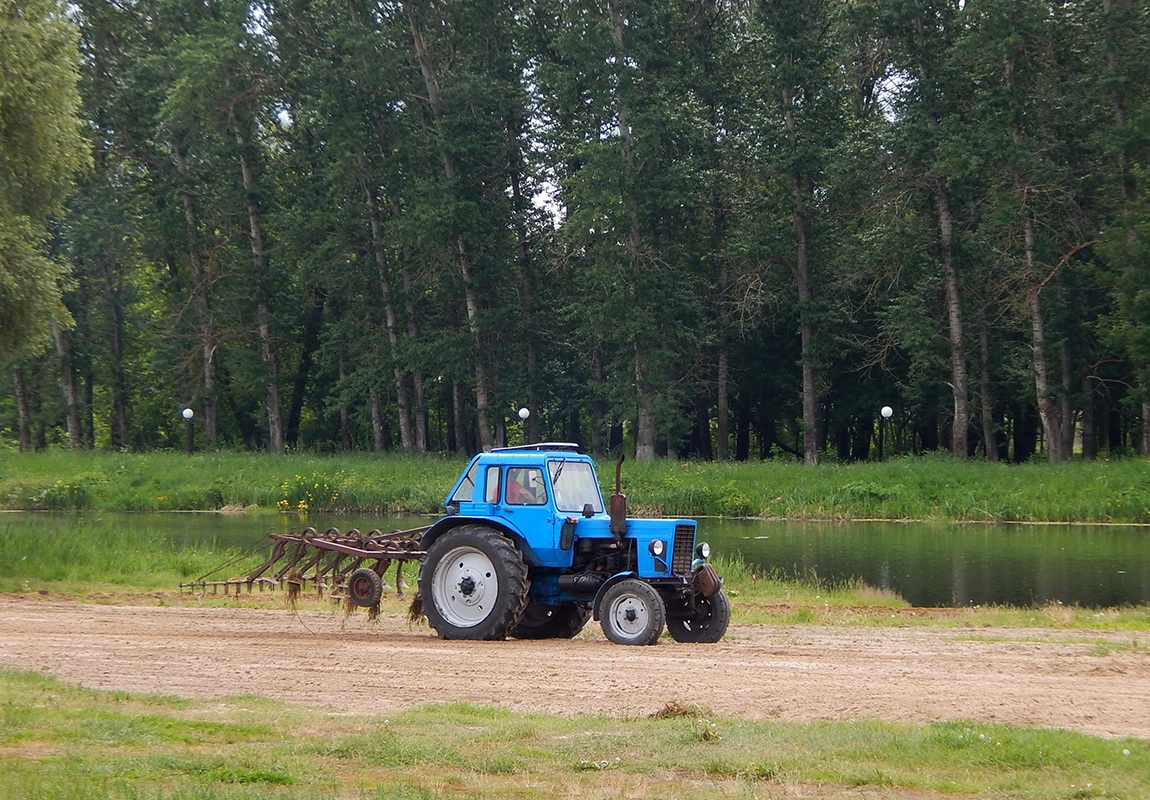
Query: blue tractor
(528, 549)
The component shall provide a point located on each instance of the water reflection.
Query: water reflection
(955, 565)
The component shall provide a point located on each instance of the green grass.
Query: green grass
(59, 480)
(932, 487)
(60, 741)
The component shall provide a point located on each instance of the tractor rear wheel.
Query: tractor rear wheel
(473, 584)
(632, 612)
(708, 625)
(562, 621)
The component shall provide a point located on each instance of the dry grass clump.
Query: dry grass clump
(675, 709)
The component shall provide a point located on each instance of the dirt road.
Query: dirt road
(1098, 683)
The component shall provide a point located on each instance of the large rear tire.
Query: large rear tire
(632, 612)
(473, 584)
(709, 624)
(561, 621)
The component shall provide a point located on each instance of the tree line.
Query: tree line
(694, 228)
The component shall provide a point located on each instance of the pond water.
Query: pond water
(931, 564)
(927, 564)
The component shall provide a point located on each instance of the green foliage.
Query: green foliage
(390, 228)
(41, 150)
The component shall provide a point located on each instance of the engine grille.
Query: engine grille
(684, 550)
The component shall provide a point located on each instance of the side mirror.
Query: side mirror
(588, 510)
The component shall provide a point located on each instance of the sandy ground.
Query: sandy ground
(1098, 683)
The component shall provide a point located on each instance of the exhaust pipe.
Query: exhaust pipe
(618, 511)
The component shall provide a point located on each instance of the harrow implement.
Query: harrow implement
(350, 564)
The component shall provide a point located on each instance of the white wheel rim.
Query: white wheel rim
(465, 587)
(630, 615)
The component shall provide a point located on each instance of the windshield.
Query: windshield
(575, 486)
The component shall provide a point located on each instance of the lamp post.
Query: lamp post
(189, 434)
(524, 413)
(886, 413)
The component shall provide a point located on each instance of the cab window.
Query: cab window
(466, 489)
(525, 487)
(493, 484)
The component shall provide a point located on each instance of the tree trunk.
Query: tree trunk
(406, 434)
(958, 369)
(268, 353)
(1089, 420)
(118, 422)
(88, 409)
(309, 342)
(645, 402)
(462, 247)
(800, 226)
(458, 426)
(68, 386)
(377, 423)
(201, 301)
(1118, 84)
(1047, 408)
(1066, 404)
(347, 443)
(723, 367)
(1146, 427)
(645, 411)
(989, 436)
(420, 422)
(23, 417)
(527, 293)
(723, 403)
(598, 410)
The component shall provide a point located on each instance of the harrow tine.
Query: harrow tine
(324, 559)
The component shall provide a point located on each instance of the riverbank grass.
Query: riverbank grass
(926, 488)
(60, 742)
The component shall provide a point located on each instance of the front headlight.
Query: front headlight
(703, 550)
(658, 547)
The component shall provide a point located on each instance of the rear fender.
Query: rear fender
(450, 523)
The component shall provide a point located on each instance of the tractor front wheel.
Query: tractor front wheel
(709, 623)
(632, 612)
(473, 584)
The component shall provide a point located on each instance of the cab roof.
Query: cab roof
(565, 447)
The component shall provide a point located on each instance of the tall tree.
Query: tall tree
(41, 150)
(931, 148)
